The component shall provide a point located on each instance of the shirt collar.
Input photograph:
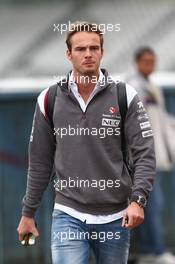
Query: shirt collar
(73, 85)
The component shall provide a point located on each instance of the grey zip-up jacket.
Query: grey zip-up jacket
(91, 174)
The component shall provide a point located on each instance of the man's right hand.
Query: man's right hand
(26, 226)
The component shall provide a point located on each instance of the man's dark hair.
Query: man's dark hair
(141, 51)
(80, 26)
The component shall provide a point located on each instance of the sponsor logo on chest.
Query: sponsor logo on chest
(110, 122)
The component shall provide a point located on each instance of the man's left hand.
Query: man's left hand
(133, 216)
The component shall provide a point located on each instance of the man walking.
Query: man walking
(96, 201)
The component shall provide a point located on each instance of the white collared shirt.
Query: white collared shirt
(74, 89)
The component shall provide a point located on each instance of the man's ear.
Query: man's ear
(102, 51)
(68, 54)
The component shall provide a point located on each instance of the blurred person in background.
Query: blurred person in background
(88, 210)
(149, 235)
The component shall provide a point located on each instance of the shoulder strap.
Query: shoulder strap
(122, 101)
(122, 98)
(51, 102)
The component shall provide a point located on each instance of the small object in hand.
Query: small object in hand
(28, 240)
(126, 220)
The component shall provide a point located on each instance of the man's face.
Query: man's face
(146, 64)
(86, 53)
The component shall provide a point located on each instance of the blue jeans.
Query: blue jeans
(71, 240)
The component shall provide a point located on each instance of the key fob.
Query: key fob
(28, 240)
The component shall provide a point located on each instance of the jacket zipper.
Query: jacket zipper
(71, 95)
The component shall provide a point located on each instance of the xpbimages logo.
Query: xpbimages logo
(101, 184)
(85, 79)
(81, 235)
(69, 26)
(110, 129)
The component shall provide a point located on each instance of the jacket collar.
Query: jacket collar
(104, 81)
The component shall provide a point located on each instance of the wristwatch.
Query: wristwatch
(139, 199)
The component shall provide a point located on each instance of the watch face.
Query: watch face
(141, 200)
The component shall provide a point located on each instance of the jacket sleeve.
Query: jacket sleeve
(139, 136)
(41, 158)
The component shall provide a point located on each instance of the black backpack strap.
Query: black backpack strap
(51, 103)
(122, 101)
